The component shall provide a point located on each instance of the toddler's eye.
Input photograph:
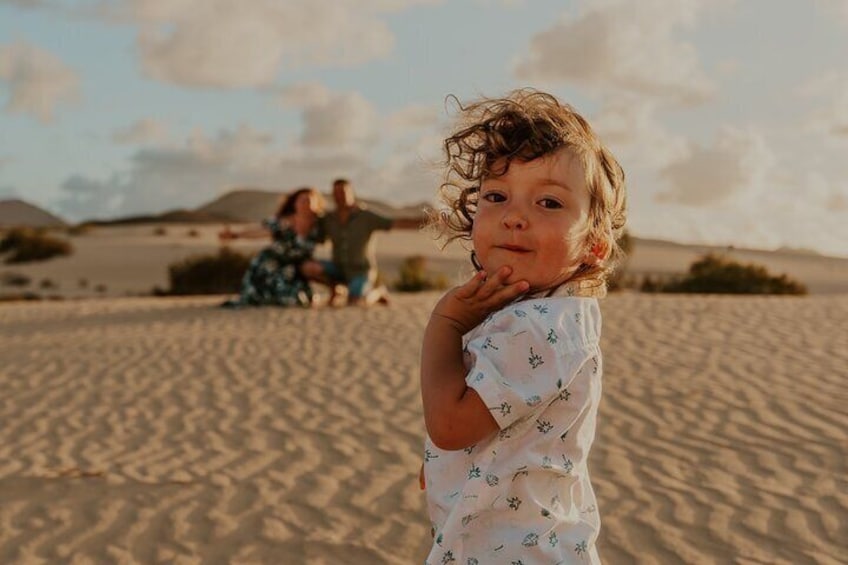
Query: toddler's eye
(550, 203)
(493, 197)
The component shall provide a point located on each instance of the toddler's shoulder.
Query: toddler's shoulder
(574, 322)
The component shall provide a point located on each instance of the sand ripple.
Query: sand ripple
(163, 430)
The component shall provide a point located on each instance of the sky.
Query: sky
(730, 117)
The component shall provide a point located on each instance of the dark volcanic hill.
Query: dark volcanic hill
(252, 205)
(17, 213)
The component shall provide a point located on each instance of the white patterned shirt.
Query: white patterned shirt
(523, 496)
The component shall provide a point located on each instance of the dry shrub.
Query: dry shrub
(14, 279)
(79, 230)
(715, 274)
(220, 273)
(23, 296)
(414, 276)
(28, 245)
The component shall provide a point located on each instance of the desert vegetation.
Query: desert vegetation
(14, 279)
(24, 245)
(717, 274)
(414, 277)
(218, 273)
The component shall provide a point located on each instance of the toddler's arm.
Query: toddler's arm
(454, 414)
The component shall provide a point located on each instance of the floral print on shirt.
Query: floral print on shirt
(523, 495)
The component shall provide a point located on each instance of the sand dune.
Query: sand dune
(147, 430)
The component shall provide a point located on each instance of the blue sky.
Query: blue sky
(729, 117)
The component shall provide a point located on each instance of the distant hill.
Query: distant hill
(248, 205)
(244, 205)
(252, 205)
(17, 213)
(173, 216)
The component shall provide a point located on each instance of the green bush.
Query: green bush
(220, 273)
(715, 274)
(30, 245)
(415, 278)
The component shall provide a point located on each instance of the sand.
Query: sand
(157, 430)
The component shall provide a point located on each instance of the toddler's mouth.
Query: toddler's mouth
(514, 248)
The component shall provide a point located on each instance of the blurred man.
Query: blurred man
(349, 228)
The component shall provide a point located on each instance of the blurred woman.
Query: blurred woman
(279, 274)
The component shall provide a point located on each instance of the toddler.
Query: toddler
(511, 365)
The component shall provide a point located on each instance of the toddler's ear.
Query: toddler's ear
(596, 254)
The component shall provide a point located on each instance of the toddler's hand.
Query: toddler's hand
(468, 305)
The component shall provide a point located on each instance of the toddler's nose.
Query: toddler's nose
(514, 219)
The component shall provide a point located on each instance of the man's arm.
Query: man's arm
(408, 223)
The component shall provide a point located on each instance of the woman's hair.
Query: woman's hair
(287, 205)
(525, 125)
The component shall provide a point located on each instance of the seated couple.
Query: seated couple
(281, 273)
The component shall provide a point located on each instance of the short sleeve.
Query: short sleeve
(520, 365)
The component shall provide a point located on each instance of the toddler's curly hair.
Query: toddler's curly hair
(527, 124)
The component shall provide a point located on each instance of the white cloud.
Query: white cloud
(820, 193)
(829, 93)
(333, 119)
(837, 201)
(838, 7)
(614, 45)
(629, 126)
(164, 178)
(305, 94)
(806, 211)
(145, 131)
(220, 43)
(8, 192)
(411, 118)
(738, 164)
(37, 80)
(412, 173)
(23, 3)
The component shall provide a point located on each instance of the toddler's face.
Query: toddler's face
(534, 218)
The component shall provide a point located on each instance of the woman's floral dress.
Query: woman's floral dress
(273, 277)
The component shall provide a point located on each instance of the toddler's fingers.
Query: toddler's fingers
(493, 283)
(471, 287)
(508, 293)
